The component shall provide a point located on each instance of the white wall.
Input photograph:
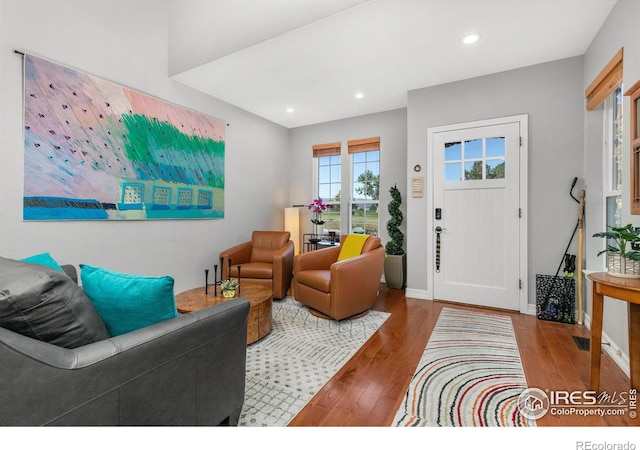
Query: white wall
(552, 95)
(126, 42)
(391, 126)
(620, 30)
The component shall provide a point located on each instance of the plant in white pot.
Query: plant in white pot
(395, 263)
(622, 259)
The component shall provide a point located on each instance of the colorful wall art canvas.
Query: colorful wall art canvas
(95, 150)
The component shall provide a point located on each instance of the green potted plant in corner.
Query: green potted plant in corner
(395, 263)
(622, 261)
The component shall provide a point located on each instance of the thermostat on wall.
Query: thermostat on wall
(417, 187)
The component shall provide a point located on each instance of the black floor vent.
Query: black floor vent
(581, 342)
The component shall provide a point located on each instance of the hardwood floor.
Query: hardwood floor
(368, 390)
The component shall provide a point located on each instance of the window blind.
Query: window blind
(605, 83)
(332, 149)
(363, 145)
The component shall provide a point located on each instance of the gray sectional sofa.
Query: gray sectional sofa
(189, 370)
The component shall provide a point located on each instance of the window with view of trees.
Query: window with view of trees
(613, 158)
(360, 204)
(607, 88)
(329, 182)
(365, 184)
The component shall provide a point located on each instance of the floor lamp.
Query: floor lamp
(292, 225)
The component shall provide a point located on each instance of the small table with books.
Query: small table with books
(317, 241)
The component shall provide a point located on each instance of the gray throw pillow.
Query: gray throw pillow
(45, 304)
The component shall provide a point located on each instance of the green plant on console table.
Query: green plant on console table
(622, 237)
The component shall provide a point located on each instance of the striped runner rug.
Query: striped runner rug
(469, 375)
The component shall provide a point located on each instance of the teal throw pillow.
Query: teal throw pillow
(44, 259)
(128, 302)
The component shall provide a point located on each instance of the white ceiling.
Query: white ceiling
(265, 56)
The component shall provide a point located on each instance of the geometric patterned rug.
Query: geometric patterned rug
(289, 366)
(470, 375)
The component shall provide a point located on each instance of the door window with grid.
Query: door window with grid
(475, 159)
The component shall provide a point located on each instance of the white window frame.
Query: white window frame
(609, 191)
(316, 184)
(361, 202)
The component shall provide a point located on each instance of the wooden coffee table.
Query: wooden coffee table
(260, 297)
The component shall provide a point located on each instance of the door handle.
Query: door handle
(439, 231)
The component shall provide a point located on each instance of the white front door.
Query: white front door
(476, 222)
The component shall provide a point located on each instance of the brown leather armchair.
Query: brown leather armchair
(339, 289)
(266, 259)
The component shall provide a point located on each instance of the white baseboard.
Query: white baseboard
(619, 357)
(420, 294)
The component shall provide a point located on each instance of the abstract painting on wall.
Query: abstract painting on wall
(95, 150)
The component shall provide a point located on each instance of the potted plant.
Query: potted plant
(395, 263)
(622, 261)
(229, 287)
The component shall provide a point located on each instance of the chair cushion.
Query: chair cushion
(45, 304)
(265, 244)
(352, 246)
(259, 270)
(44, 259)
(316, 279)
(128, 302)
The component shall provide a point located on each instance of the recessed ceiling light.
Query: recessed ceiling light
(290, 110)
(359, 95)
(471, 38)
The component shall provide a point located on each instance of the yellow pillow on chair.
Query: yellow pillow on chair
(352, 246)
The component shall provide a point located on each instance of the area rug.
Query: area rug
(469, 375)
(290, 365)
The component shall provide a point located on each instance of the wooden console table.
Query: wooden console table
(625, 289)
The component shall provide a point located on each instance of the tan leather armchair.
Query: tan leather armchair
(266, 259)
(339, 289)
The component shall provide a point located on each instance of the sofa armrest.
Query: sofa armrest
(186, 370)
